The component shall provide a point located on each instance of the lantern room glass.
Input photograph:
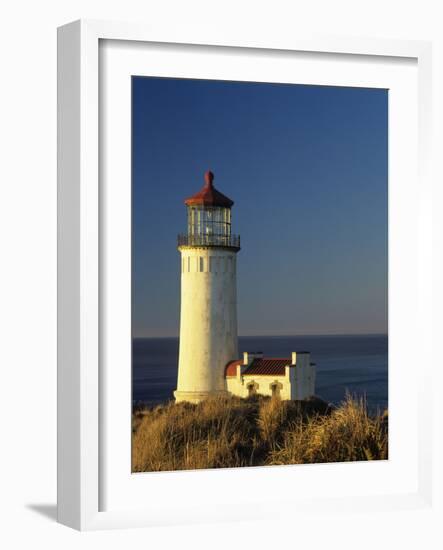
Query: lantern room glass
(209, 223)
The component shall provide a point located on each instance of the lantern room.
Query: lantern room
(209, 218)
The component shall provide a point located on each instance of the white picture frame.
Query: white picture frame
(80, 395)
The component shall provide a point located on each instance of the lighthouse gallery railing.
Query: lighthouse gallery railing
(230, 241)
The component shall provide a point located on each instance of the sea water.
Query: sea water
(353, 364)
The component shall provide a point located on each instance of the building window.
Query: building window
(252, 389)
(275, 388)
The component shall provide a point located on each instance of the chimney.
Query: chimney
(294, 358)
(249, 356)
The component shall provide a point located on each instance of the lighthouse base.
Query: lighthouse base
(197, 396)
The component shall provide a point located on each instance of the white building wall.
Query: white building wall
(303, 379)
(312, 377)
(208, 321)
(293, 381)
(239, 387)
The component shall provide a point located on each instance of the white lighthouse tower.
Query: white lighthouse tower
(208, 316)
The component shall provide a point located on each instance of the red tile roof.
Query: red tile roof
(208, 195)
(231, 368)
(260, 367)
(272, 366)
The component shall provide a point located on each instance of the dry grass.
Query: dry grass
(347, 434)
(231, 432)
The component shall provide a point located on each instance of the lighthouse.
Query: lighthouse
(208, 311)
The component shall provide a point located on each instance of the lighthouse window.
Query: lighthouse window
(211, 264)
(209, 224)
(202, 264)
(189, 264)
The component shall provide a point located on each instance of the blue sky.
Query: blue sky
(307, 169)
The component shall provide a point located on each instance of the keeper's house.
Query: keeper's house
(285, 378)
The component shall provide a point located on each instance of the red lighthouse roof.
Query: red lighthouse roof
(208, 195)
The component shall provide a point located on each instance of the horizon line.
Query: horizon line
(338, 334)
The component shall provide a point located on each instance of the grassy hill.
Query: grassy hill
(230, 432)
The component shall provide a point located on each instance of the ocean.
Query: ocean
(355, 364)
